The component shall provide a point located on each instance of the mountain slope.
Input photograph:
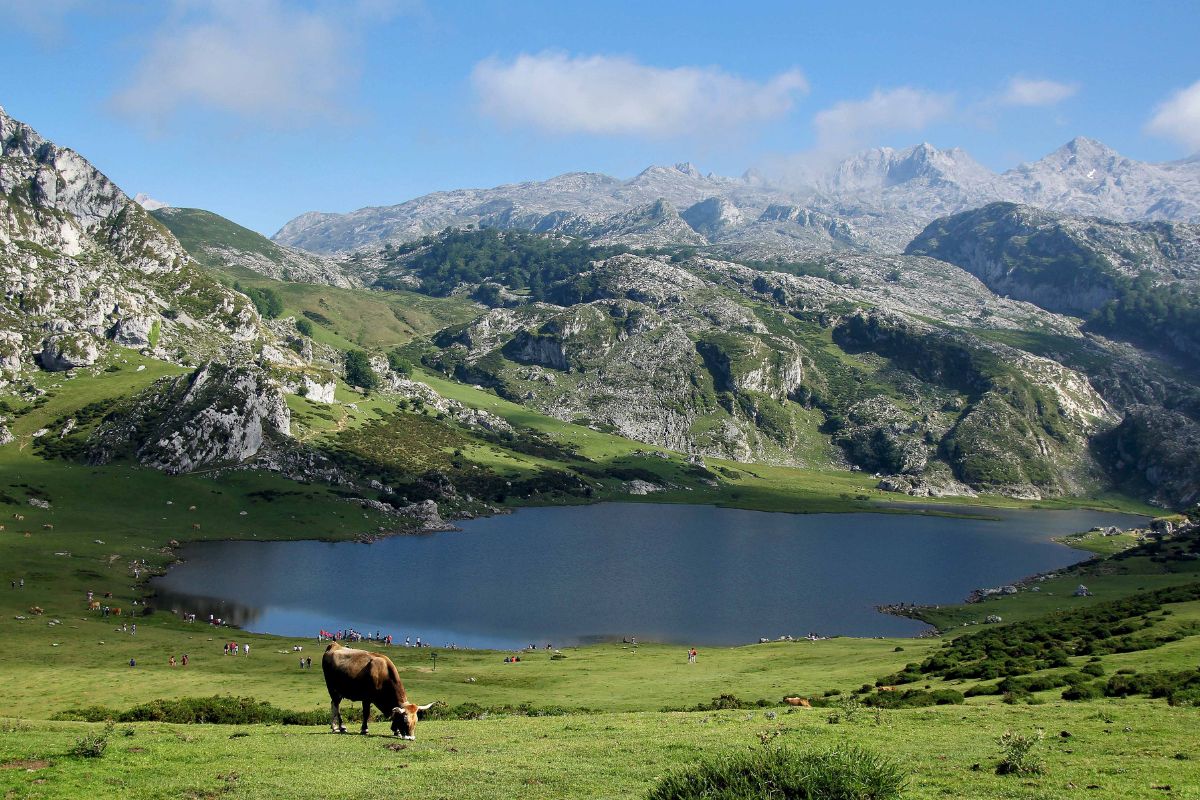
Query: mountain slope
(217, 242)
(83, 266)
(1067, 264)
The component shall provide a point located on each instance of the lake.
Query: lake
(672, 573)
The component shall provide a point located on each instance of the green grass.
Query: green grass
(1114, 750)
(106, 518)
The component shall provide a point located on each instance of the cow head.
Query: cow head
(404, 719)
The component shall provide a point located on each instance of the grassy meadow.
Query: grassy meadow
(612, 722)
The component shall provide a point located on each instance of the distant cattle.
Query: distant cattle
(116, 611)
(18, 517)
(94, 605)
(195, 526)
(887, 688)
(47, 526)
(371, 678)
(803, 702)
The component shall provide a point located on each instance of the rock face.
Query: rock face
(216, 416)
(81, 263)
(1158, 448)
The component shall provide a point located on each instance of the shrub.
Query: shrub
(777, 773)
(93, 745)
(304, 326)
(1095, 670)
(1083, 691)
(1016, 754)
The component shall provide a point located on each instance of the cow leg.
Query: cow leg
(366, 715)
(335, 716)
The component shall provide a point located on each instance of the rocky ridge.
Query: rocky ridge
(83, 267)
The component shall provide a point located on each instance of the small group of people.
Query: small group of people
(306, 663)
(231, 649)
(512, 659)
(183, 660)
(691, 655)
(351, 635)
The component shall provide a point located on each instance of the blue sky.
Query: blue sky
(261, 110)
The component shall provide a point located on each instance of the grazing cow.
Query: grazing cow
(19, 517)
(803, 702)
(1, 527)
(195, 526)
(371, 678)
(887, 688)
(47, 526)
(94, 605)
(116, 611)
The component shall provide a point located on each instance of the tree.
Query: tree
(359, 371)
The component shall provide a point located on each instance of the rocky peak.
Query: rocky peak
(713, 216)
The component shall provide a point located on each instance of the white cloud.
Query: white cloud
(41, 17)
(257, 59)
(1035, 92)
(851, 123)
(608, 95)
(1178, 117)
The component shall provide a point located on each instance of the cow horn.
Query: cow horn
(425, 707)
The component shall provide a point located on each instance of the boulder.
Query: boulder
(65, 351)
(135, 332)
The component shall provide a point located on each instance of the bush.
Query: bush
(726, 702)
(304, 326)
(93, 745)
(1016, 754)
(1095, 670)
(398, 363)
(1083, 691)
(776, 773)
(267, 301)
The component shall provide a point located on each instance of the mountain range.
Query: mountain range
(996, 347)
(875, 201)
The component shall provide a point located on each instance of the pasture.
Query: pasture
(606, 733)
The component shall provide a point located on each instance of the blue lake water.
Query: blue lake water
(672, 573)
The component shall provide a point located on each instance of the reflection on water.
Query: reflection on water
(687, 574)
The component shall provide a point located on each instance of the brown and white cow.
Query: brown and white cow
(371, 678)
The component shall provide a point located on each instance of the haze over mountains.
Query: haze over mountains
(875, 201)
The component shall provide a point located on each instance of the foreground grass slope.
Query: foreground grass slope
(1102, 750)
